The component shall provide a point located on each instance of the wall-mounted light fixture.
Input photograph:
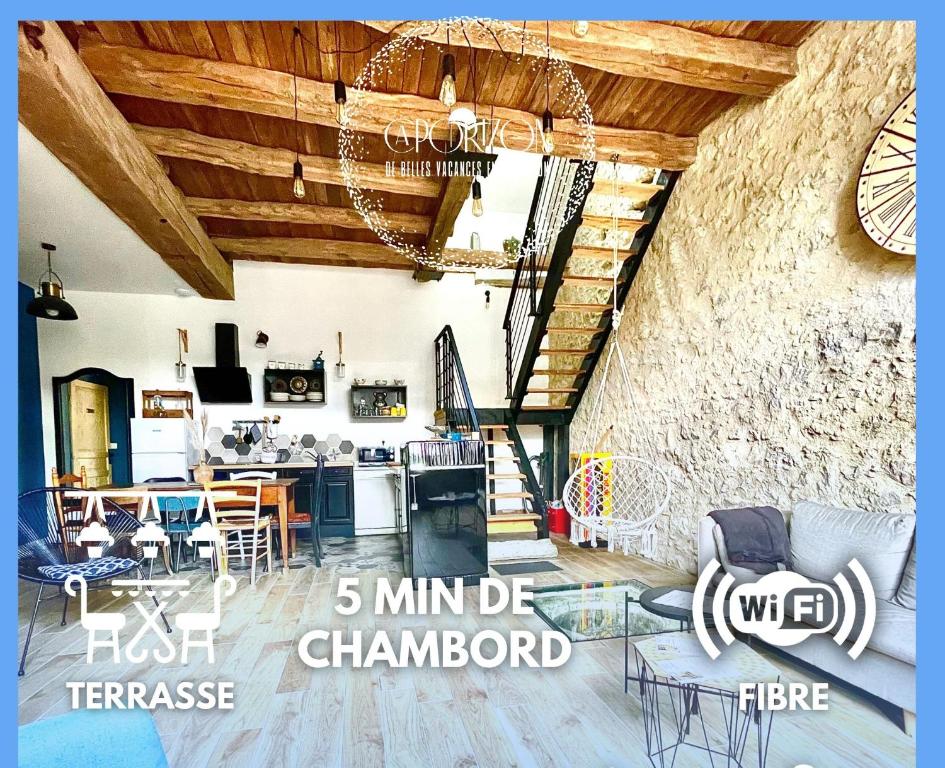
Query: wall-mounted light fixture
(262, 339)
(51, 304)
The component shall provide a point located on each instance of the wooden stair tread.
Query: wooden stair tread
(505, 476)
(558, 372)
(510, 495)
(638, 191)
(571, 352)
(600, 253)
(493, 426)
(589, 280)
(498, 442)
(550, 390)
(607, 222)
(546, 407)
(503, 458)
(570, 307)
(592, 331)
(513, 516)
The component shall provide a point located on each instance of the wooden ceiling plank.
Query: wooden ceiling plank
(300, 213)
(190, 80)
(455, 192)
(64, 107)
(657, 51)
(273, 161)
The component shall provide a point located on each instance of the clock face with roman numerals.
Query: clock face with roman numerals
(886, 193)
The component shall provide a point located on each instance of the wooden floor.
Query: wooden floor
(289, 715)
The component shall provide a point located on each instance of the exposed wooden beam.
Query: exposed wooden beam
(319, 251)
(455, 192)
(204, 82)
(273, 161)
(300, 213)
(657, 51)
(64, 107)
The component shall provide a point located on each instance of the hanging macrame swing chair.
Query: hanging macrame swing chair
(612, 494)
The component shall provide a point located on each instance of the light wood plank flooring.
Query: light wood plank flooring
(289, 715)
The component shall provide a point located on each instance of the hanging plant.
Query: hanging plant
(511, 245)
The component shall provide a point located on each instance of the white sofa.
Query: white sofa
(823, 540)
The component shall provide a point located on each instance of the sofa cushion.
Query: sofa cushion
(824, 539)
(894, 633)
(906, 593)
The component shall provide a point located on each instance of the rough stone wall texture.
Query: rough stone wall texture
(771, 344)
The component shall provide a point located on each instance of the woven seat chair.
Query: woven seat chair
(46, 557)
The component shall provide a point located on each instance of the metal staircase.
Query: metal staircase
(556, 323)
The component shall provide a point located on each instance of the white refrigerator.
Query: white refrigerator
(160, 448)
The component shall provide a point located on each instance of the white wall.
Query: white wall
(389, 322)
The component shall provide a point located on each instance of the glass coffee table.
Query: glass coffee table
(598, 610)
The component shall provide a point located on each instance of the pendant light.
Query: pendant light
(476, 198)
(448, 82)
(50, 304)
(548, 119)
(341, 96)
(298, 180)
(182, 346)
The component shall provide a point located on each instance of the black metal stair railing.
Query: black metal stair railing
(454, 403)
(545, 251)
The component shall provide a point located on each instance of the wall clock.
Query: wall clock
(886, 192)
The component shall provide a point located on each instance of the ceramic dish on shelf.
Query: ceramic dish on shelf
(380, 382)
(279, 397)
(278, 385)
(297, 398)
(315, 397)
(298, 385)
(399, 382)
(360, 382)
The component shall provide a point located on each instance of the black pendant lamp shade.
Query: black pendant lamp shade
(50, 304)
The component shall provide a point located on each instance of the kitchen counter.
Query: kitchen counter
(284, 465)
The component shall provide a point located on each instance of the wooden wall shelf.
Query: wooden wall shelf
(363, 401)
(294, 381)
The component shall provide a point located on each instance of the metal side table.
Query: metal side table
(682, 689)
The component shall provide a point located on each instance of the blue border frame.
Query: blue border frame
(930, 269)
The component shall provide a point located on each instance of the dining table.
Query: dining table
(278, 493)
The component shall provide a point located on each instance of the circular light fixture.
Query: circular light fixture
(580, 28)
(532, 55)
(50, 304)
(183, 292)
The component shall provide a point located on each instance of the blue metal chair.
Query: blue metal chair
(317, 511)
(178, 513)
(48, 556)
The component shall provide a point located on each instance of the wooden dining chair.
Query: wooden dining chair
(69, 512)
(234, 508)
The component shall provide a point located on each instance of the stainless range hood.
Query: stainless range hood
(227, 382)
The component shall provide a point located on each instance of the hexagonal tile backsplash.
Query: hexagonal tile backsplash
(223, 448)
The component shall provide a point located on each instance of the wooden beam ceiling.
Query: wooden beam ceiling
(657, 51)
(455, 191)
(204, 82)
(274, 161)
(64, 107)
(300, 213)
(336, 252)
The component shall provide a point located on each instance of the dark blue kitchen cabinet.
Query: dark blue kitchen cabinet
(337, 518)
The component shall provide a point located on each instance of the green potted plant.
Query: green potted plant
(511, 245)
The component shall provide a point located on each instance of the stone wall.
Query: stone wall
(771, 344)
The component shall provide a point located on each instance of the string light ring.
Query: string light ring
(568, 101)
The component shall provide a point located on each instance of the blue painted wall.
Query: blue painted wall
(30, 422)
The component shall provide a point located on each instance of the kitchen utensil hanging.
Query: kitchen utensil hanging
(340, 366)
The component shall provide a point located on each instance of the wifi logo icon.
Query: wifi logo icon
(784, 608)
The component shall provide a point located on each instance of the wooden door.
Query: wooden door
(88, 420)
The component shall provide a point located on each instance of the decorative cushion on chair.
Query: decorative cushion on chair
(91, 570)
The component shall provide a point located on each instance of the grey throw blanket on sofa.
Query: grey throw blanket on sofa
(755, 538)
